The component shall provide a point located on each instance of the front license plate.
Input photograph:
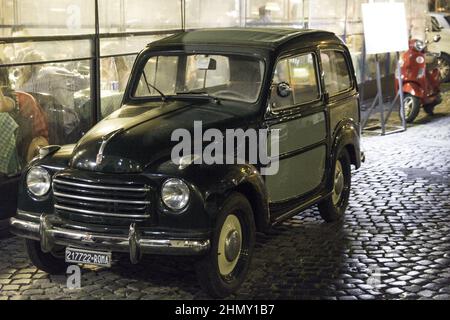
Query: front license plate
(98, 258)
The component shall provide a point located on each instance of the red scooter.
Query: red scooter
(420, 76)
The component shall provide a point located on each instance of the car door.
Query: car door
(300, 118)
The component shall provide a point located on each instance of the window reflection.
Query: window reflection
(115, 72)
(40, 107)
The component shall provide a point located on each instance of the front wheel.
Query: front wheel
(412, 107)
(222, 271)
(52, 262)
(333, 208)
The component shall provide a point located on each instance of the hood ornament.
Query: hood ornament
(105, 139)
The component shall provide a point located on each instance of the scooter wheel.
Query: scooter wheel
(412, 107)
(444, 67)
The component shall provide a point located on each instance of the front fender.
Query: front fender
(215, 183)
(53, 162)
(413, 89)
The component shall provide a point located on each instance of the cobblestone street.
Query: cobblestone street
(394, 242)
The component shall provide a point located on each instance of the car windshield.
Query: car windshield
(229, 77)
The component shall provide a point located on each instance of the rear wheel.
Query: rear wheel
(52, 262)
(222, 271)
(412, 107)
(333, 207)
(444, 67)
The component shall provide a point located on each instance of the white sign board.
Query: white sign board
(385, 27)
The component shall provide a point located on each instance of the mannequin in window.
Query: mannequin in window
(265, 15)
(56, 81)
(30, 119)
(9, 162)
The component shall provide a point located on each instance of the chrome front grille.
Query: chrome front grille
(82, 197)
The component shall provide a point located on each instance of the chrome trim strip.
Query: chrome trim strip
(99, 186)
(98, 213)
(105, 140)
(65, 195)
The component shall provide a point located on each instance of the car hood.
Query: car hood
(136, 136)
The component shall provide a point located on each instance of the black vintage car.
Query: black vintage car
(119, 188)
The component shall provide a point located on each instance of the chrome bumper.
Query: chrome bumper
(134, 243)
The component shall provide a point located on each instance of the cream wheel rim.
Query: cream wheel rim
(230, 245)
(338, 183)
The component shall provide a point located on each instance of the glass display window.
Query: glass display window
(43, 107)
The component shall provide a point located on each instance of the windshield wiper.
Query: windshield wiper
(150, 86)
(200, 93)
(193, 92)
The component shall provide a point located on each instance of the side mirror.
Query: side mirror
(427, 29)
(437, 38)
(284, 90)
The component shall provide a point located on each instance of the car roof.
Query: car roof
(270, 38)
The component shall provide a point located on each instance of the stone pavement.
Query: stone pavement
(394, 242)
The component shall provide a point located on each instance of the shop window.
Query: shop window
(114, 74)
(336, 73)
(212, 13)
(41, 104)
(276, 13)
(139, 15)
(118, 56)
(45, 18)
(299, 73)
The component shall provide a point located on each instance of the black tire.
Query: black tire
(412, 107)
(208, 271)
(444, 67)
(331, 209)
(46, 262)
(429, 109)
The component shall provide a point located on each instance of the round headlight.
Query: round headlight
(419, 45)
(175, 194)
(38, 181)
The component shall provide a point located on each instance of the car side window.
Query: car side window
(336, 74)
(299, 73)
